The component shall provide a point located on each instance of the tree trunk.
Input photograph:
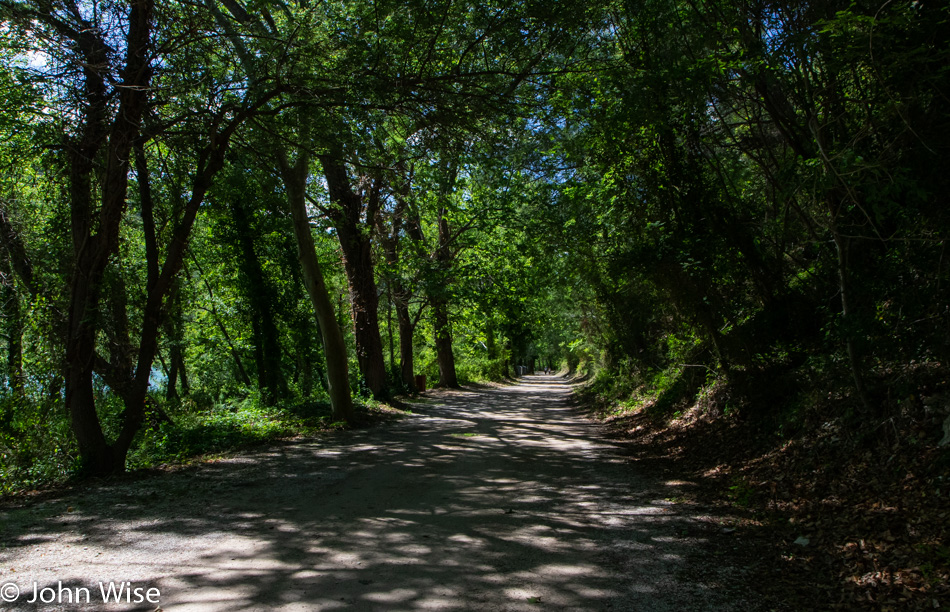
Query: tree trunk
(334, 348)
(389, 329)
(356, 244)
(13, 324)
(176, 338)
(160, 286)
(844, 288)
(176, 366)
(360, 275)
(238, 362)
(97, 455)
(261, 369)
(178, 357)
(95, 230)
(443, 345)
(440, 308)
(171, 382)
(399, 294)
(491, 348)
(406, 354)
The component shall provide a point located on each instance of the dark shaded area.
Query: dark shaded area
(831, 511)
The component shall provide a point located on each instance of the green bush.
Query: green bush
(36, 445)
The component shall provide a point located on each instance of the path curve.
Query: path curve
(490, 499)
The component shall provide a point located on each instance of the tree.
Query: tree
(295, 179)
(98, 150)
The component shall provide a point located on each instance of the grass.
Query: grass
(41, 457)
(223, 429)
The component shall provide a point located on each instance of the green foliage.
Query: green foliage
(741, 492)
(656, 196)
(225, 428)
(36, 446)
(474, 369)
(37, 449)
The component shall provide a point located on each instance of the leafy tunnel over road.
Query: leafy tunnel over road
(490, 499)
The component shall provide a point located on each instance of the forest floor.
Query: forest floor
(488, 498)
(836, 513)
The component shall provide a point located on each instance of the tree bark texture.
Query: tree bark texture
(440, 311)
(334, 348)
(443, 344)
(12, 329)
(406, 353)
(347, 212)
(399, 293)
(95, 233)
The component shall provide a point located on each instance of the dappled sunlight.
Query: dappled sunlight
(529, 510)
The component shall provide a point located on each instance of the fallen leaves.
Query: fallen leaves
(856, 511)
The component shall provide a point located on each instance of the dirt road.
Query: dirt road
(495, 499)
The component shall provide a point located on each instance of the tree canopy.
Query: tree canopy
(216, 209)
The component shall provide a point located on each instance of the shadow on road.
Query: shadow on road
(492, 499)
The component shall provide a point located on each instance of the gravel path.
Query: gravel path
(494, 499)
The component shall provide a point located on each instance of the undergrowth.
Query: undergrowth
(36, 454)
(848, 503)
